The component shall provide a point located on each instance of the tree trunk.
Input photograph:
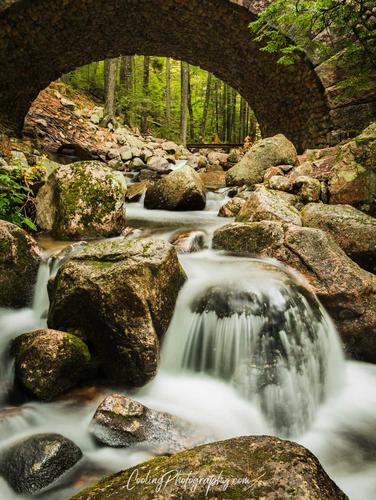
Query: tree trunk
(145, 87)
(206, 108)
(110, 79)
(168, 93)
(184, 103)
(190, 109)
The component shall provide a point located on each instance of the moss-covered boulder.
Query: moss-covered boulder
(240, 468)
(48, 362)
(270, 152)
(266, 204)
(353, 176)
(122, 422)
(347, 291)
(120, 295)
(307, 188)
(183, 189)
(353, 231)
(82, 200)
(34, 464)
(19, 262)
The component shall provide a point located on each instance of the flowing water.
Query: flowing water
(248, 351)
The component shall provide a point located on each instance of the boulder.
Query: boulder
(158, 164)
(280, 183)
(122, 422)
(353, 231)
(48, 362)
(273, 171)
(183, 189)
(126, 153)
(35, 463)
(239, 468)
(217, 158)
(170, 147)
(214, 180)
(189, 241)
(307, 188)
(97, 115)
(19, 263)
(137, 164)
(353, 176)
(270, 152)
(347, 291)
(232, 207)
(82, 200)
(265, 204)
(120, 295)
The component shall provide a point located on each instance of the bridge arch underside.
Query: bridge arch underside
(43, 39)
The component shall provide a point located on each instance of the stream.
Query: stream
(248, 352)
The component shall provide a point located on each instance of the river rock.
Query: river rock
(35, 463)
(232, 207)
(82, 200)
(120, 295)
(347, 291)
(265, 204)
(280, 183)
(183, 189)
(122, 422)
(19, 262)
(273, 171)
(240, 468)
(353, 231)
(189, 241)
(48, 362)
(217, 158)
(353, 176)
(158, 164)
(170, 147)
(270, 152)
(213, 180)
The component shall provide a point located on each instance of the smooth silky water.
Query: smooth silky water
(249, 351)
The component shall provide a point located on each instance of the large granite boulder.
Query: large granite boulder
(122, 422)
(82, 200)
(19, 262)
(353, 231)
(266, 204)
(347, 291)
(35, 463)
(353, 176)
(270, 152)
(120, 295)
(183, 189)
(240, 468)
(48, 362)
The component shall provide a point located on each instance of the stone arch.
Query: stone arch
(42, 39)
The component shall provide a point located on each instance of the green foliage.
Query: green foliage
(16, 194)
(290, 28)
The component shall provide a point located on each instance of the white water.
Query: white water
(334, 412)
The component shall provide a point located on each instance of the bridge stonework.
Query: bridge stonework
(42, 39)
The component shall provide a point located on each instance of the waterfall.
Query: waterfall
(255, 326)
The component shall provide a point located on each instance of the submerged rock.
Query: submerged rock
(266, 204)
(19, 262)
(243, 467)
(352, 230)
(270, 152)
(120, 295)
(122, 422)
(33, 464)
(48, 362)
(347, 291)
(82, 200)
(183, 189)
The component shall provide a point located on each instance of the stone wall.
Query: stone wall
(42, 39)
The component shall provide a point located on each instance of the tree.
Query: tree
(168, 93)
(206, 108)
(184, 102)
(145, 88)
(110, 77)
(290, 28)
